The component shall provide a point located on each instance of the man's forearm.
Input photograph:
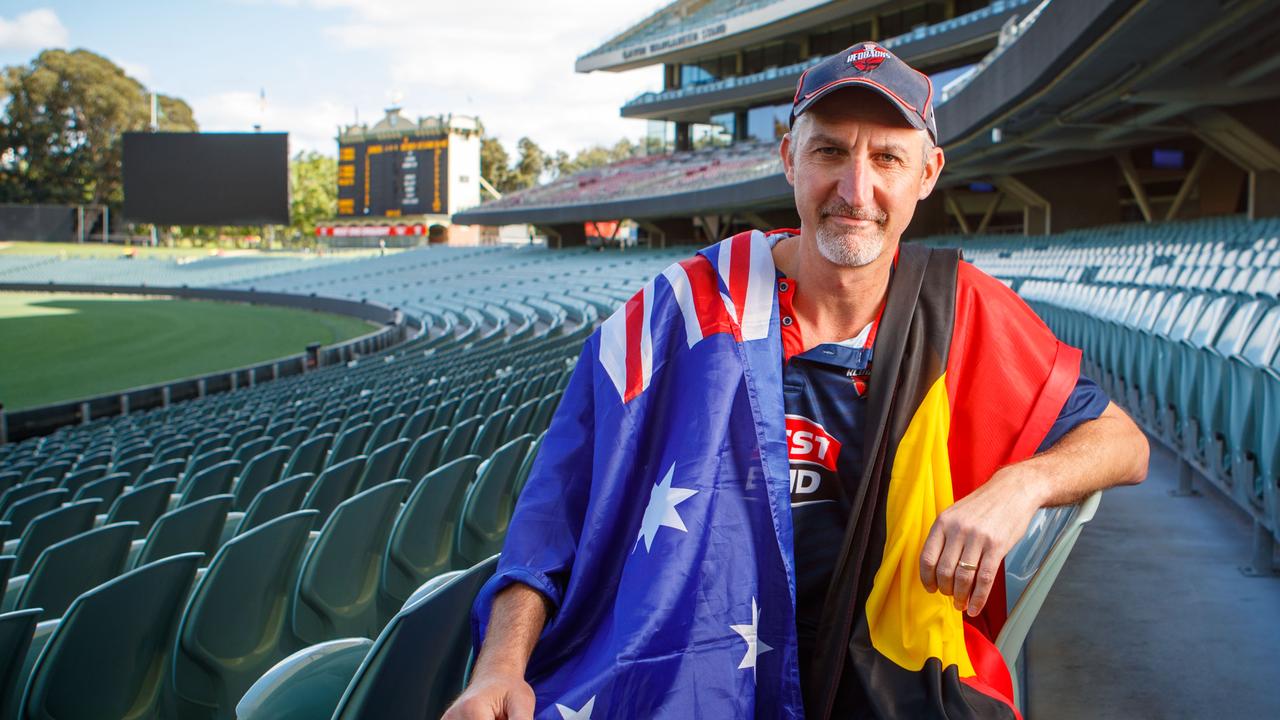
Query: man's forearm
(515, 623)
(1096, 455)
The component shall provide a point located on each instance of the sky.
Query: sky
(323, 63)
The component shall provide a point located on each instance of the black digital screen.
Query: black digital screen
(392, 178)
(206, 178)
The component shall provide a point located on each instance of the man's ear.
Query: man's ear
(788, 164)
(933, 162)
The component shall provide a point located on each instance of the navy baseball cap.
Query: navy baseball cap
(868, 65)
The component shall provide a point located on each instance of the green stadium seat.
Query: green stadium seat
(142, 506)
(108, 655)
(235, 626)
(542, 416)
(526, 466)
(260, 472)
(6, 570)
(194, 527)
(490, 434)
(309, 456)
(337, 587)
(160, 471)
(305, 685)
(48, 528)
(215, 480)
(104, 489)
(22, 492)
(247, 451)
(16, 629)
(469, 406)
(53, 470)
(216, 442)
(275, 500)
(420, 545)
(421, 458)
(444, 414)
(177, 451)
(399, 678)
(459, 439)
(382, 464)
(386, 431)
(292, 438)
(349, 444)
(133, 466)
(68, 568)
(486, 509)
(76, 479)
(9, 478)
(335, 484)
(518, 422)
(416, 425)
(21, 513)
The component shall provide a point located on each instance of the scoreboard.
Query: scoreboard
(391, 178)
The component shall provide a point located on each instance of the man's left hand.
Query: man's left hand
(968, 541)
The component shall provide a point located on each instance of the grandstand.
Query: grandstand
(308, 544)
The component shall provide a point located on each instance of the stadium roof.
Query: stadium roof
(1080, 80)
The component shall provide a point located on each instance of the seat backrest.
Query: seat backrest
(76, 479)
(236, 624)
(335, 484)
(21, 513)
(385, 432)
(459, 439)
(486, 510)
(398, 678)
(260, 472)
(68, 568)
(416, 425)
(51, 527)
(382, 464)
(106, 489)
(133, 465)
(421, 457)
(213, 480)
(142, 506)
(307, 684)
(16, 629)
(421, 541)
(275, 500)
(337, 588)
(108, 655)
(349, 443)
(309, 456)
(204, 460)
(18, 493)
(246, 451)
(491, 433)
(161, 471)
(195, 527)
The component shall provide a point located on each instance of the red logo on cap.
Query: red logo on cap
(868, 58)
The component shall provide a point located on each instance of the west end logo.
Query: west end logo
(867, 59)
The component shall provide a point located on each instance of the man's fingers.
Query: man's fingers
(965, 573)
(929, 558)
(982, 586)
(946, 571)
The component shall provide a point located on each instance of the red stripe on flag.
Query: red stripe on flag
(740, 272)
(712, 316)
(635, 328)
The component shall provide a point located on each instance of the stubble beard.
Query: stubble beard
(851, 248)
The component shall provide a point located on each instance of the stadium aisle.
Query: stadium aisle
(1151, 617)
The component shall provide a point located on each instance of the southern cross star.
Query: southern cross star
(568, 713)
(755, 646)
(661, 511)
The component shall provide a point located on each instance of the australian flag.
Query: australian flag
(657, 517)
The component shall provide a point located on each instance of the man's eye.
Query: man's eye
(887, 157)
(827, 150)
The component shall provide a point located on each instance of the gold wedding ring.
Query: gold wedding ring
(967, 566)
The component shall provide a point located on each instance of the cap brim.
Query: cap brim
(912, 117)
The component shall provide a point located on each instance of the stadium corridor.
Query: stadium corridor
(1151, 617)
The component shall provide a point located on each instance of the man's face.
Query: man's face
(858, 169)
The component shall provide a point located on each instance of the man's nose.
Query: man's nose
(857, 183)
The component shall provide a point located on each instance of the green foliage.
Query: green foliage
(494, 162)
(594, 157)
(60, 135)
(534, 164)
(313, 193)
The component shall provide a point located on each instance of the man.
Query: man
(668, 560)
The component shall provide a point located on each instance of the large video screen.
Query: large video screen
(393, 178)
(206, 178)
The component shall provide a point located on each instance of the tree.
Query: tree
(529, 167)
(60, 135)
(493, 164)
(594, 157)
(313, 193)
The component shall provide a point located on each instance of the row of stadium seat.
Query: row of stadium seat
(1180, 323)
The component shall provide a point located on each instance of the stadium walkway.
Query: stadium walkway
(1151, 618)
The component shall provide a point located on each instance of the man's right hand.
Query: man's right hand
(494, 697)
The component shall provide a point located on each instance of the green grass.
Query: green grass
(60, 347)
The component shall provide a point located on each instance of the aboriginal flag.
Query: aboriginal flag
(966, 379)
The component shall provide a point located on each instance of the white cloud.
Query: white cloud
(32, 30)
(510, 63)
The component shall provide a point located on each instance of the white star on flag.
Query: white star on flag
(755, 646)
(568, 713)
(661, 511)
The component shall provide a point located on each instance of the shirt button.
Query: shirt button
(783, 286)
(786, 321)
